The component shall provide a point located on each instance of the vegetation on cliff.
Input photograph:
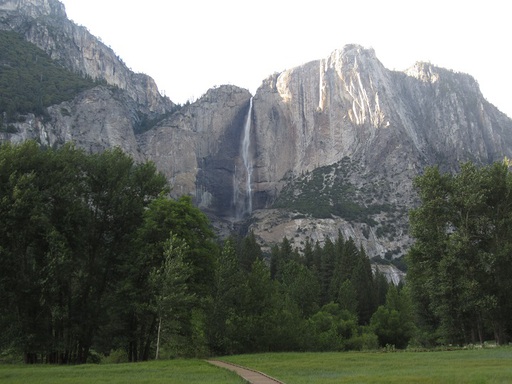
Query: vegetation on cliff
(329, 191)
(30, 80)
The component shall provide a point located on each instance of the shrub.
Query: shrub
(116, 356)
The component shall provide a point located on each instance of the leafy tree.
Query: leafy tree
(230, 291)
(332, 328)
(169, 284)
(188, 223)
(309, 255)
(300, 286)
(459, 266)
(68, 220)
(280, 255)
(347, 297)
(393, 322)
(250, 251)
(363, 283)
(327, 268)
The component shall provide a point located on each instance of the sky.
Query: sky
(189, 46)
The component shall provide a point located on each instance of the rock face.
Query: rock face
(391, 124)
(44, 23)
(330, 146)
(96, 120)
(198, 148)
(350, 105)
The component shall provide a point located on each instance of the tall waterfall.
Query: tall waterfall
(243, 199)
(321, 86)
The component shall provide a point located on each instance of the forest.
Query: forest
(30, 80)
(98, 262)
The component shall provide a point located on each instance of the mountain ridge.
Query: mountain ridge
(343, 130)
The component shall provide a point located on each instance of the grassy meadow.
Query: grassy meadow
(160, 372)
(493, 365)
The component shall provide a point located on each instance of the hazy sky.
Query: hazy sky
(189, 46)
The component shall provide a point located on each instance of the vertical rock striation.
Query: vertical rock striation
(198, 148)
(391, 124)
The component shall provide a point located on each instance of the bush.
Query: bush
(10, 356)
(366, 341)
(117, 356)
(95, 357)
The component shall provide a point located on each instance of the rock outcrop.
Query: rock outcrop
(96, 120)
(198, 148)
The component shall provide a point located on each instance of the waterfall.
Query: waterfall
(246, 143)
(321, 87)
(243, 201)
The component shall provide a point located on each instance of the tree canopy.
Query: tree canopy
(460, 267)
(73, 271)
(97, 260)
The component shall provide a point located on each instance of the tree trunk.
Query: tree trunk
(158, 338)
(147, 343)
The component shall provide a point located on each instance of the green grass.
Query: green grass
(463, 366)
(168, 372)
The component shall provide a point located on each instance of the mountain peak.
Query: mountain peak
(351, 52)
(354, 57)
(429, 73)
(34, 8)
(424, 72)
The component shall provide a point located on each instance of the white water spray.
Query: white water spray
(246, 143)
(320, 86)
(243, 204)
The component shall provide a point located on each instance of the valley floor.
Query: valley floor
(483, 365)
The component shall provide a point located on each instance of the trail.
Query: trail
(252, 376)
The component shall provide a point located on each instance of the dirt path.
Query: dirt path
(253, 377)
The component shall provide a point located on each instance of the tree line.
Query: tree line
(95, 257)
(96, 260)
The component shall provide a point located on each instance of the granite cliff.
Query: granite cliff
(101, 118)
(329, 146)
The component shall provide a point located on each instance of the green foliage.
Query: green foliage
(169, 284)
(95, 257)
(187, 222)
(327, 191)
(332, 329)
(30, 80)
(73, 273)
(393, 322)
(459, 266)
(118, 356)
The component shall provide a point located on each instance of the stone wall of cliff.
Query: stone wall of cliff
(392, 124)
(198, 147)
